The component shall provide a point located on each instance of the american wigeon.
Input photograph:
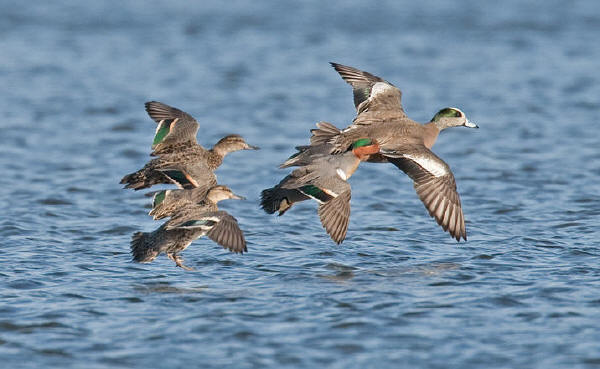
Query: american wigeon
(403, 142)
(175, 145)
(324, 179)
(187, 224)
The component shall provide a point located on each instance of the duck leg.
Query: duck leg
(179, 261)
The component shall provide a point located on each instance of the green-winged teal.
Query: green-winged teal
(187, 224)
(175, 145)
(167, 202)
(403, 142)
(324, 179)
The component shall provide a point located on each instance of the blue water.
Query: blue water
(523, 292)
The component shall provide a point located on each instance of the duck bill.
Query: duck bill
(250, 147)
(470, 124)
(237, 197)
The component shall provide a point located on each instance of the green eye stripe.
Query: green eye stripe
(362, 142)
(446, 113)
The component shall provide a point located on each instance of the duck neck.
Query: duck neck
(210, 201)
(220, 149)
(348, 165)
(216, 156)
(431, 132)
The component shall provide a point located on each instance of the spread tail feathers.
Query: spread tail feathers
(280, 199)
(270, 200)
(142, 179)
(323, 133)
(142, 248)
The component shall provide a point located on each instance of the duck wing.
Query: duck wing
(174, 126)
(219, 226)
(335, 215)
(435, 186)
(167, 202)
(371, 93)
(227, 233)
(190, 176)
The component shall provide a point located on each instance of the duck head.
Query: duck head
(451, 117)
(218, 193)
(232, 143)
(364, 147)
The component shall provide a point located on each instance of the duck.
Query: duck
(167, 202)
(403, 142)
(188, 223)
(324, 179)
(175, 144)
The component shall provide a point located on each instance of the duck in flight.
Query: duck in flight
(403, 142)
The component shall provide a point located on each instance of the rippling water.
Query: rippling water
(399, 292)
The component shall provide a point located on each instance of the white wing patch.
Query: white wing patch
(379, 88)
(330, 193)
(341, 174)
(435, 167)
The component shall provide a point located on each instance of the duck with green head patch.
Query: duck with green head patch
(175, 144)
(308, 154)
(403, 142)
(324, 179)
(189, 222)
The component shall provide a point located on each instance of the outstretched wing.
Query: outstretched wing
(335, 215)
(435, 186)
(227, 232)
(219, 226)
(174, 126)
(371, 93)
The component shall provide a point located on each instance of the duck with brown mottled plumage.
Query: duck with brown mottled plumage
(187, 223)
(175, 145)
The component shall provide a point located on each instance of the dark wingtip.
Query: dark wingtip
(148, 105)
(459, 236)
(337, 66)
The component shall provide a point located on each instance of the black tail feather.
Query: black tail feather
(270, 201)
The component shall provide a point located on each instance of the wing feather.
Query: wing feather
(437, 192)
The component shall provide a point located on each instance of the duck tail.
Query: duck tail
(270, 200)
(275, 199)
(323, 133)
(142, 179)
(280, 199)
(134, 180)
(143, 250)
(297, 159)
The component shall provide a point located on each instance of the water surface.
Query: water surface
(522, 292)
